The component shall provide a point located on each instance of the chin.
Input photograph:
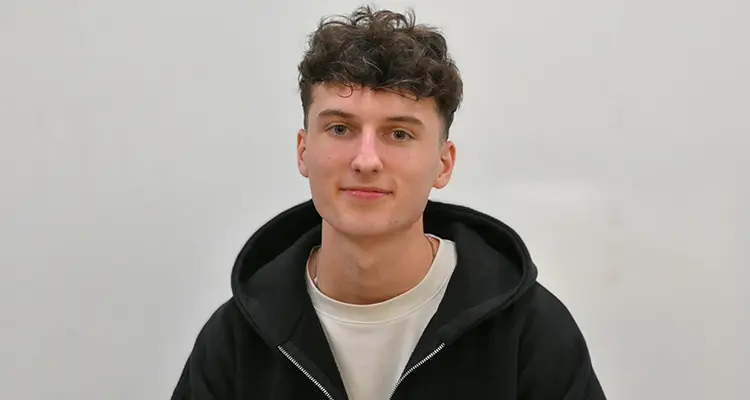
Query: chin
(363, 225)
(370, 224)
(369, 231)
(360, 219)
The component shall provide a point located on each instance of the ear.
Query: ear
(301, 149)
(447, 162)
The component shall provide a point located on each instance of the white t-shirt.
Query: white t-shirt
(372, 343)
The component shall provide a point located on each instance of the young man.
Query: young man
(369, 290)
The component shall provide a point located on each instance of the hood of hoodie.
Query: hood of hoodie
(493, 270)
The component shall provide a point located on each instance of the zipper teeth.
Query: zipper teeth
(307, 374)
(415, 366)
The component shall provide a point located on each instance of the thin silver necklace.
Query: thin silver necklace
(315, 268)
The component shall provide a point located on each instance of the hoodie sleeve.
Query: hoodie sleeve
(554, 360)
(205, 375)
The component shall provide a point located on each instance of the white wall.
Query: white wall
(143, 141)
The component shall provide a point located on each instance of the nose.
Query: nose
(367, 158)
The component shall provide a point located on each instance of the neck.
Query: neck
(372, 270)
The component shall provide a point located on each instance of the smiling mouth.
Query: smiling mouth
(366, 193)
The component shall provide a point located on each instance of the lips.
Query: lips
(366, 193)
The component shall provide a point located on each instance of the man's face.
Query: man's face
(372, 158)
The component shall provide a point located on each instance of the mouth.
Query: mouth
(365, 193)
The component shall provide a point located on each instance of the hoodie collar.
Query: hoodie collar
(493, 269)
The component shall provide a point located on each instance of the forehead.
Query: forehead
(367, 103)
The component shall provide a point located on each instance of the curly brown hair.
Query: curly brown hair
(382, 50)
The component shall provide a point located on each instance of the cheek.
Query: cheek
(419, 180)
(323, 165)
(427, 169)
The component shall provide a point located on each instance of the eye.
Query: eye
(401, 135)
(338, 130)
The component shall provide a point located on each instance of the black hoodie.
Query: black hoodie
(498, 334)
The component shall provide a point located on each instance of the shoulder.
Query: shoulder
(541, 309)
(546, 324)
(554, 357)
(226, 315)
(206, 373)
(222, 327)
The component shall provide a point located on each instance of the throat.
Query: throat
(377, 274)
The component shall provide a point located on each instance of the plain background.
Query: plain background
(143, 142)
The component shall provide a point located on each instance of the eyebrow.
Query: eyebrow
(332, 112)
